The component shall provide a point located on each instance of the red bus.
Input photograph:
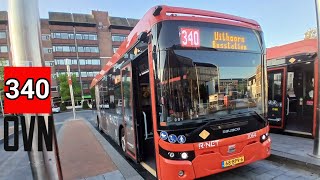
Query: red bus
(160, 89)
(292, 76)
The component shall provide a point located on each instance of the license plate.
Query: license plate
(232, 162)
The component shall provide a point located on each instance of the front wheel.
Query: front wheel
(123, 141)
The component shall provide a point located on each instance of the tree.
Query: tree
(92, 92)
(2, 64)
(64, 87)
(311, 34)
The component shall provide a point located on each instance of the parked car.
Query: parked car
(55, 109)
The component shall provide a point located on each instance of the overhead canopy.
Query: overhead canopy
(299, 47)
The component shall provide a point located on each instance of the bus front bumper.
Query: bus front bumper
(211, 163)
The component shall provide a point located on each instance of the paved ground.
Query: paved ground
(81, 154)
(265, 170)
(15, 165)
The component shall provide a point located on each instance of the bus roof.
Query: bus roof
(161, 13)
(299, 47)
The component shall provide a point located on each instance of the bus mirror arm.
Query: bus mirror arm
(145, 125)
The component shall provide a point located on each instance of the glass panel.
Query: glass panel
(200, 84)
(275, 89)
(79, 36)
(127, 106)
(3, 35)
(3, 49)
(82, 61)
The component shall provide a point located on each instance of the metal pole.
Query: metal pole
(71, 88)
(1, 104)
(77, 53)
(25, 41)
(316, 146)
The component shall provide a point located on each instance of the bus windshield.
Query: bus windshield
(198, 84)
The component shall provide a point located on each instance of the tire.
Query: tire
(122, 140)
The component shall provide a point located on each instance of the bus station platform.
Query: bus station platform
(293, 149)
(86, 154)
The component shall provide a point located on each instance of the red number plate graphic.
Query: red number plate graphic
(27, 90)
(189, 37)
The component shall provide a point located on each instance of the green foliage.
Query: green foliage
(63, 107)
(64, 87)
(2, 63)
(93, 94)
(85, 105)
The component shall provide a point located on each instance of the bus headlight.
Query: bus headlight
(174, 155)
(171, 154)
(184, 155)
(264, 137)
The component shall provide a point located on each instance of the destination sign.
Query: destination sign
(225, 40)
(221, 38)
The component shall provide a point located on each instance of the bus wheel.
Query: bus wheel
(123, 140)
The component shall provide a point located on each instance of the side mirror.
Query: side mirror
(144, 37)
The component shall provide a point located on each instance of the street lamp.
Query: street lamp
(1, 103)
(70, 87)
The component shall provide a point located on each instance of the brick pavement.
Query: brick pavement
(267, 170)
(81, 154)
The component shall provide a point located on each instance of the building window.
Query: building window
(59, 62)
(64, 48)
(86, 36)
(54, 89)
(96, 62)
(84, 74)
(3, 49)
(115, 49)
(53, 76)
(63, 61)
(49, 63)
(85, 86)
(3, 35)
(62, 35)
(93, 37)
(82, 61)
(92, 49)
(119, 37)
(45, 37)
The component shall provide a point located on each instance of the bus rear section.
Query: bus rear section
(198, 63)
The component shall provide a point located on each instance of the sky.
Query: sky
(283, 21)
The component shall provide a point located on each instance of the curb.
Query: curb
(123, 166)
(282, 157)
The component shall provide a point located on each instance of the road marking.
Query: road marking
(149, 169)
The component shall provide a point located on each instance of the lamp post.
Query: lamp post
(25, 47)
(1, 104)
(70, 87)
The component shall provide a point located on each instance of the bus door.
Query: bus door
(300, 87)
(128, 113)
(141, 78)
(276, 97)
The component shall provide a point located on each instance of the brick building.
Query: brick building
(88, 40)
